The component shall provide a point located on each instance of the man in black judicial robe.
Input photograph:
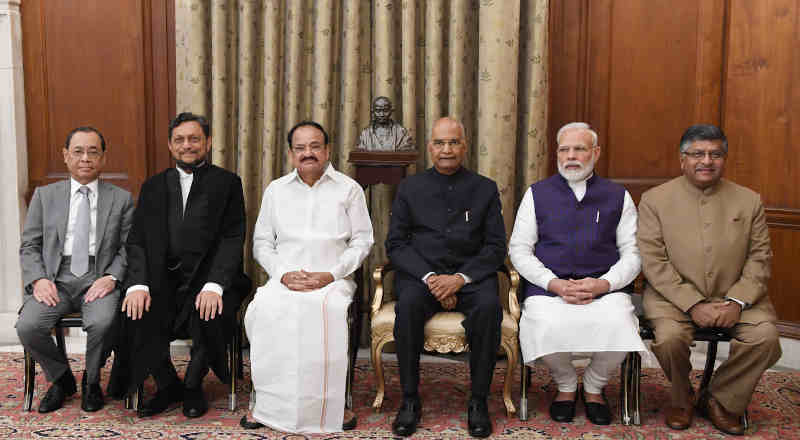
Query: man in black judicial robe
(185, 277)
(447, 239)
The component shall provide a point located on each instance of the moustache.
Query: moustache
(312, 158)
(573, 163)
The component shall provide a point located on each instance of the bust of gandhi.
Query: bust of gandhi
(384, 134)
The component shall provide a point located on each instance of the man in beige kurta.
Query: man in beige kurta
(706, 256)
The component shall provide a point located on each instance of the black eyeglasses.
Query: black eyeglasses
(699, 155)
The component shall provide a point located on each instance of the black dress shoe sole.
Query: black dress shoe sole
(194, 413)
(350, 424)
(562, 411)
(403, 432)
(92, 407)
(247, 424)
(593, 408)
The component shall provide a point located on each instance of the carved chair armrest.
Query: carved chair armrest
(513, 288)
(377, 277)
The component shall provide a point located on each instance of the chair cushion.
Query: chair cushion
(443, 332)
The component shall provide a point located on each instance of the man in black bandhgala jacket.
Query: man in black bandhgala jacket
(185, 277)
(447, 239)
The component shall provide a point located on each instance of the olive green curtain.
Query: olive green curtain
(256, 67)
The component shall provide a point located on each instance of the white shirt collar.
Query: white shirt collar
(75, 186)
(330, 172)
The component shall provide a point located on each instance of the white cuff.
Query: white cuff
(137, 287)
(425, 278)
(467, 279)
(212, 287)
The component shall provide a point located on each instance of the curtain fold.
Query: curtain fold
(256, 67)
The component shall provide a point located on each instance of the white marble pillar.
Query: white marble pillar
(13, 166)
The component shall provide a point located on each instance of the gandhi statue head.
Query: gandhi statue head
(382, 111)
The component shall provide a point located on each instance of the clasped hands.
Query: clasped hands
(579, 292)
(303, 281)
(724, 314)
(444, 289)
(207, 303)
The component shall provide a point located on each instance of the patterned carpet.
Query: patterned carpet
(774, 412)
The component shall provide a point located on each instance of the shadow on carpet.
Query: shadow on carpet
(444, 388)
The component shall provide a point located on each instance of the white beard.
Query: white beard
(577, 175)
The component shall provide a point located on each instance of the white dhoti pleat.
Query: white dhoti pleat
(551, 325)
(298, 356)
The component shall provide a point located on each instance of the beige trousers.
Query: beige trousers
(753, 349)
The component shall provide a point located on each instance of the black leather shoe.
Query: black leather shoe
(350, 424)
(194, 403)
(478, 421)
(60, 389)
(247, 424)
(563, 410)
(91, 396)
(162, 400)
(410, 413)
(597, 413)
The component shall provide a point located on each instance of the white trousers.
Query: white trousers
(595, 376)
(298, 356)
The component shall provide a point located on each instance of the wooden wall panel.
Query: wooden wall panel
(95, 65)
(641, 72)
(762, 121)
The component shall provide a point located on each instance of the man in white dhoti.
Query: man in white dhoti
(574, 243)
(312, 233)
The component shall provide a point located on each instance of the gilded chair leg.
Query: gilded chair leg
(511, 357)
(377, 364)
(30, 381)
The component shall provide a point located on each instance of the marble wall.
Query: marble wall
(13, 166)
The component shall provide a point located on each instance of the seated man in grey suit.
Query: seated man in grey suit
(72, 257)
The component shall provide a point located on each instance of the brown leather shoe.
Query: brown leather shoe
(679, 418)
(721, 418)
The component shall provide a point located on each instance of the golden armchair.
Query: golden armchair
(443, 332)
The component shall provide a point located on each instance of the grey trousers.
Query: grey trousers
(36, 321)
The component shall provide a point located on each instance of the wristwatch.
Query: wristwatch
(741, 303)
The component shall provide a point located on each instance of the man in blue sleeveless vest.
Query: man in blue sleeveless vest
(574, 243)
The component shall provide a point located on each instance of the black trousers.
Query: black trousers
(479, 303)
(209, 341)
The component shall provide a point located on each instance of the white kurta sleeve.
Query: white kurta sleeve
(624, 271)
(523, 239)
(361, 236)
(265, 246)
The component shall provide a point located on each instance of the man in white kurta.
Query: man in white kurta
(574, 244)
(312, 233)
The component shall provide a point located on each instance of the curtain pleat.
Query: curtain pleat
(257, 67)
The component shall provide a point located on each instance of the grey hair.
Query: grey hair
(703, 132)
(577, 126)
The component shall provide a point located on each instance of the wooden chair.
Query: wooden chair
(67, 321)
(443, 332)
(631, 368)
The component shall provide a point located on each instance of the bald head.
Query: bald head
(447, 145)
